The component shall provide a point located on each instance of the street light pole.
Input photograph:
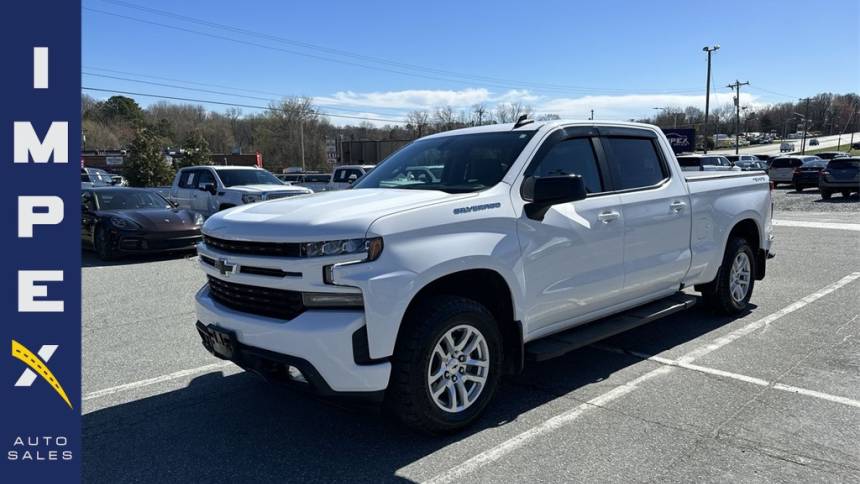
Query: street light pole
(708, 94)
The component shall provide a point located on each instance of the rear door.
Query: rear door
(782, 169)
(183, 191)
(656, 211)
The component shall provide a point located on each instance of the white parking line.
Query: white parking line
(736, 376)
(156, 380)
(817, 225)
(518, 441)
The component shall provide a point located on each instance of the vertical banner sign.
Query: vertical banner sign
(40, 324)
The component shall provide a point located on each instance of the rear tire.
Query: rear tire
(730, 292)
(846, 194)
(798, 187)
(826, 194)
(424, 354)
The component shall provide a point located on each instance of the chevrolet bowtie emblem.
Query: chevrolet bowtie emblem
(225, 267)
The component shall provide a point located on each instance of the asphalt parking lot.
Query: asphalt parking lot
(771, 396)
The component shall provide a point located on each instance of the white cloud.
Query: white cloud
(634, 105)
(408, 99)
(395, 104)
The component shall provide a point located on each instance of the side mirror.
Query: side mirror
(207, 187)
(544, 192)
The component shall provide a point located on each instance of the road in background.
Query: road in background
(773, 148)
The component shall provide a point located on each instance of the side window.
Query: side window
(204, 176)
(571, 157)
(635, 161)
(187, 180)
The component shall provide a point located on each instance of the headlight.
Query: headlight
(198, 219)
(123, 223)
(251, 198)
(372, 246)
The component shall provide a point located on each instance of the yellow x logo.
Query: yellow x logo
(35, 363)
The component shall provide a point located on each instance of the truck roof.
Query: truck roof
(222, 167)
(533, 126)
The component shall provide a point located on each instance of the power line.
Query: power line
(509, 84)
(208, 91)
(249, 106)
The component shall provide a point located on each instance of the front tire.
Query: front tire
(101, 241)
(446, 365)
(798, 187)
(826, 194)
(730, 292)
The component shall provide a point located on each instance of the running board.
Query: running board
(583, 335)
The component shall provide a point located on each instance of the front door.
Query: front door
(572, 259)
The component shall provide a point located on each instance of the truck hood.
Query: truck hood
(265, 188)
(322, 216)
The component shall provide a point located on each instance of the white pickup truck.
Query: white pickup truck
(535, 239)
(209, 189)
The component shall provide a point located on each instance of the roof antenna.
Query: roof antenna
(522, 121)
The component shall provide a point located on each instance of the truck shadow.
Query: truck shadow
(237, 428)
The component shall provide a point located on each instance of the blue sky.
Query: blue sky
(381, 59)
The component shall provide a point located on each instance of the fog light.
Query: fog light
(331, 300)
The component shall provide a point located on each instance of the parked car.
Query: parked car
(806, 175)
(425, 297)
(317, 182)
(345, 175)
(785, 147)
(118, 181)
(751, 165)
(855, 146)
(840, 175)
(829, 155)
(782, 168)
(736, 158)
(118, 221)
(210, 189)
(705, 163)
(766, 159)
(813, 142)
(95, 177)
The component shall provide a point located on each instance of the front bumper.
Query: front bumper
(318, 343)
(142, 242)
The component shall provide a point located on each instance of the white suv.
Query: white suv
(210, 189)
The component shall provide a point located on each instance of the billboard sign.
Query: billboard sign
(682, 139)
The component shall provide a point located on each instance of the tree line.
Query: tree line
(294, 127)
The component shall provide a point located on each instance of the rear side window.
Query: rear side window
(688, 161)
(204, 176)
(635, 160)
(187, 179)
(342, 175)
(786, 163)
(572, 157)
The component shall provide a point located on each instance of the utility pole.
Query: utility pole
(737, 87)
(805, 126)
(709, 50)
(592, 115)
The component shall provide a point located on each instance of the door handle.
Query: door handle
(677, 206)
(608, 216)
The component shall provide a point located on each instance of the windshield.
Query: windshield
(231, 178)
(844, 164)
(129, 200)
(453, 164)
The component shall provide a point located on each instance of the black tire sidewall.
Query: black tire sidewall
(102, 244)
(734, 247)
(429, 323)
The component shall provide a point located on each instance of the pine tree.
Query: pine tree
(146, 166)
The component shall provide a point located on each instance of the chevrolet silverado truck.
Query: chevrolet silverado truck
(535, 238)
(209, 189)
